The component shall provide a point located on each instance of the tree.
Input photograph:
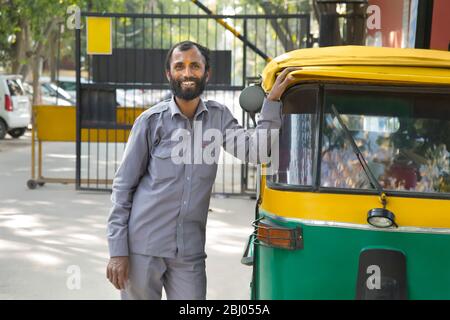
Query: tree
(283, 30)
(30, 30)
(28, 33)
(353, 16)
(354, 23)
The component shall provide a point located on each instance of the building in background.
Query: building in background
(384, 23)
(412, 24)
(440, 29)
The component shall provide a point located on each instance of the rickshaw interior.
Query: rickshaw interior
(403, 133)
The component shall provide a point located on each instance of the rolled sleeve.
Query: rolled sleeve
(271, 112)
(244, 144)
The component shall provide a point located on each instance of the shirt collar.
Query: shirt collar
(175, 110)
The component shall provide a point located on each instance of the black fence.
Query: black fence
(114, 89)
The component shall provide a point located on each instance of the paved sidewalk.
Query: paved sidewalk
(51, 231)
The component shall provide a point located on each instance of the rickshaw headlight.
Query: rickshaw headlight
(381, 218)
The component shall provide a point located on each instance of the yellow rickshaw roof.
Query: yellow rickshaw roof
(362, 64)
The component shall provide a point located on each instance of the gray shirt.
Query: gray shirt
(160, 207)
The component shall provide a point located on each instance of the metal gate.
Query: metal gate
(112, 90)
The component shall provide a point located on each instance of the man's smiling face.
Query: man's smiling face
(187, 74)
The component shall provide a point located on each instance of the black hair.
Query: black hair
(186, 45)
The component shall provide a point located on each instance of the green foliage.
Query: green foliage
(39, 15)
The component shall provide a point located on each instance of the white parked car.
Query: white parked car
(140, 98)
(125, 98)
(69, 84)
(15, 106)
(51, 94)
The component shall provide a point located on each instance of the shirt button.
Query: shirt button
(184, 202)
(188, 178)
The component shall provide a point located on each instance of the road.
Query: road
(53, 239)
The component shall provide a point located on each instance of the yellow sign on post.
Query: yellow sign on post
(99, 35)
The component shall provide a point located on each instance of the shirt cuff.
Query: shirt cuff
(271, 109)
(118, 248)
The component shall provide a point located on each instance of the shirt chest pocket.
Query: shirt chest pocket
(206, 171)
(162, 164)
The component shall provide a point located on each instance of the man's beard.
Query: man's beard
(188, 93)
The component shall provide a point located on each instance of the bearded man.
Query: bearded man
(156, 227)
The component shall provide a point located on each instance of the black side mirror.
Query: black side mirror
(251, 99)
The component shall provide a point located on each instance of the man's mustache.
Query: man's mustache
(196, 80)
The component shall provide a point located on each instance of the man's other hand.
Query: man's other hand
(117, 272)
(283, 81)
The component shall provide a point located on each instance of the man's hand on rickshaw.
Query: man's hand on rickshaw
(283, 81)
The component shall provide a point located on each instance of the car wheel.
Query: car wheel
(2, 129)
(31, 184)
(16, 133)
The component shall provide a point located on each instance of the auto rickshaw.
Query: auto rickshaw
(359, 206)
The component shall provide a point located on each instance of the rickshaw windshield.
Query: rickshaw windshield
(404, 137)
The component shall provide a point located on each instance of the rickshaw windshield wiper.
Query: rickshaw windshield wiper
(373, 181)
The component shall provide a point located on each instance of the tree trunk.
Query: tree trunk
(52, 54)
(330, 31)
(25, 67)
(21, 47)
(37, 70)
(37, 57)
(356, 27)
